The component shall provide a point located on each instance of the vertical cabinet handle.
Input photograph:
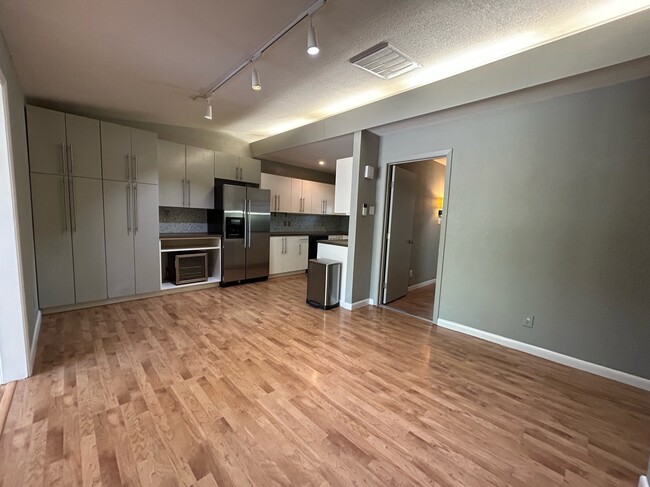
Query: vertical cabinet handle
(65, 206)
(299, 248)
(128, 209)
(183, 186)
(135, 208)
(135, 167)
(63, 161)
(127, 172)
(70, 161)
(73, 211)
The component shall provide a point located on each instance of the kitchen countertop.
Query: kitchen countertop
(170, 236)
(310, 234)
(340, 243)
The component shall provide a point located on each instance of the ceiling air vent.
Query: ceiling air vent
(385, 61)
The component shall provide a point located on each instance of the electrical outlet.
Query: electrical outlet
(411, 273)
(528, 321)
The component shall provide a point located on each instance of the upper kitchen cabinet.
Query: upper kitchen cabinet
(129, 154)
(322, 198)
(171, 174)
(199, 175)
(235, 168)
(60, 143)
(301, 196)
(186, 176)
(250, 170)
(226, 166)
(280, 188)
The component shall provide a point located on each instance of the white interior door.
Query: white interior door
(400, 231)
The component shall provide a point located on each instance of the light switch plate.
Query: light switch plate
(528, 321)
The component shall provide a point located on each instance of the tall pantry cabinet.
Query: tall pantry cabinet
(77, 214)
(130, 164)
(65, 165)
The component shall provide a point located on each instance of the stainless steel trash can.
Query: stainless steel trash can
(323, 283)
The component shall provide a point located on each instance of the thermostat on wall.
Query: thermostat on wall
(369, 172)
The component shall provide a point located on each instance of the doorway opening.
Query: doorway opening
(415, 222)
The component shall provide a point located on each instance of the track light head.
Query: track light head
(312, 40)
(208, 110)
(255, 80)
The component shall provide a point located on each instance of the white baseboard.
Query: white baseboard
(357, 305)
(34, 341)
(422, 284)
(559, 358)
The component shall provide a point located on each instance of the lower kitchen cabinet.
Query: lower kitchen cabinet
(288, 254)
(68, 220)
(132, 258)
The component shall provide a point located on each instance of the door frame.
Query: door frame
(448, 153)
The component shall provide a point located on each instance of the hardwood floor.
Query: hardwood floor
(249, 386)
(418, 302)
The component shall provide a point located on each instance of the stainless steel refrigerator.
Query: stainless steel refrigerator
(244, 219)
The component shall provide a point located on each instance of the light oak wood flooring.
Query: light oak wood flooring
(418, 302)
(250, 386)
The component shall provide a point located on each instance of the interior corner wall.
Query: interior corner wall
(426, 229)
(360, 232)
(548, 215)
(22, 188)
(298, 172)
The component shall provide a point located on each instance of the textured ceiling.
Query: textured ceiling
(308, 155)
(143, 60)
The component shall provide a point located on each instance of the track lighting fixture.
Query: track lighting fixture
(255, 80)
(312, 40)
(208, 110)
(312, 49)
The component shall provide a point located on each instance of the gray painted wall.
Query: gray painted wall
(290, 171)
(548, 214)
(365, 152)
(22, 185)
(426, 229)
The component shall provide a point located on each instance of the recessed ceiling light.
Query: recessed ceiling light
(321, 163)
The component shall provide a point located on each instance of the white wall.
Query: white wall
(13, 320)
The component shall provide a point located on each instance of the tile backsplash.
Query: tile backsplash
(292, 222)
(183, 220)
(195, 220)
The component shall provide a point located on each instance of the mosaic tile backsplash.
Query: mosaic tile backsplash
(183, 220)
(292, 222)
(195, 220)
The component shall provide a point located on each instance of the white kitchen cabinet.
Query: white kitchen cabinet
(322, 198)
(146, 235)
(226, 166)
(68, 218)
(144, 156)
(52, 240)
(88, 248)
(301, 196)
(343, 186)
(288, 254)
(280, 188)
(61, 143)
(250, 170)
(129, 154)
(199, 174)
(186, 176)
(171, 173)
(132, 253)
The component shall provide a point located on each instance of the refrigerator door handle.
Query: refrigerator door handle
(249, 220)
(245, 222)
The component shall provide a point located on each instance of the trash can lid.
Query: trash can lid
(324, 261)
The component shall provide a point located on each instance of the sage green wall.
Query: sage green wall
(548, 213)
(21, 185)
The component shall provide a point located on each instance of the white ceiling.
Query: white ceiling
(144, 60)
(308, 155)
